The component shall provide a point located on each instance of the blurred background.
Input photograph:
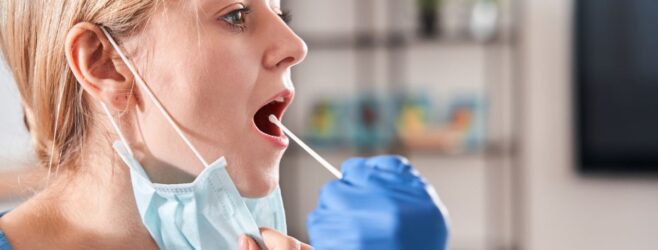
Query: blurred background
(534, 119)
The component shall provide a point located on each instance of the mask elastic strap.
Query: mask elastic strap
(116, 128)
(155, 101)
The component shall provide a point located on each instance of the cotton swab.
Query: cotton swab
(310, 151)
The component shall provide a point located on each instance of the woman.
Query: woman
(163, 87)
(60, 48)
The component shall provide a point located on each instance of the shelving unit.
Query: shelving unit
(370, 55)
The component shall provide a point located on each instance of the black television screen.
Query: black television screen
(616, 85)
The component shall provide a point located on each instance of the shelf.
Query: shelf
(492, 154)
(365, 40)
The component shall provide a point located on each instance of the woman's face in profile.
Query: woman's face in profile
(216, 65)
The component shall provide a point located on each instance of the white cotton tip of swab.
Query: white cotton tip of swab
(310, 151)
(274, 120)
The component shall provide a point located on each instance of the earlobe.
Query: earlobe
(90, 57)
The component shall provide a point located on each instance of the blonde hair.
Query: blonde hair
(32, 40)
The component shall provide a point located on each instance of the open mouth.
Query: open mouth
(275, 107)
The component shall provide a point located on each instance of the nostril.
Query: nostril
(286, 62)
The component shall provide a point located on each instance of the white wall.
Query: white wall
(563, 210)
(15, 146)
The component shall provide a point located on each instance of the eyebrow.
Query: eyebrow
(212, 7)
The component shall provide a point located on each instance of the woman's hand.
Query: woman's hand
(274, 240)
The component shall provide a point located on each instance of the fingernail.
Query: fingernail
(242, 243)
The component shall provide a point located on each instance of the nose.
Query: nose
(285, 49)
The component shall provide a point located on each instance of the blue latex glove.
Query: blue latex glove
(381, 203)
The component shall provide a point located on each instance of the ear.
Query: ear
(98, 68)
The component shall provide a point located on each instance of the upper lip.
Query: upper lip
(287, 94)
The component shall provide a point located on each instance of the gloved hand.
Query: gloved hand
(380, 203)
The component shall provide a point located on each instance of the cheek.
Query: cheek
(206, 90)
(212, 78)
(223, 84)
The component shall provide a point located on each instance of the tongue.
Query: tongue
(262, 120)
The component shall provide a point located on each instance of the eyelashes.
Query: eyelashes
(237, 19)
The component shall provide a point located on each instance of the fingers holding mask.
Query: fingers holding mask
(274, 240)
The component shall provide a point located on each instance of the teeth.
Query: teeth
(279, 99)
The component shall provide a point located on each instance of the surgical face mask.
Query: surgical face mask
(208, 213)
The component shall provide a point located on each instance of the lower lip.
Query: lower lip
(280, 141)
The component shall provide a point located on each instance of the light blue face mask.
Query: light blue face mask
(208, 213)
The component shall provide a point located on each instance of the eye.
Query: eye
(236, 18)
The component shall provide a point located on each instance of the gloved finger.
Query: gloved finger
(275, 240)
(328, 229)
(342, 196)
(390, 171)
(390, 182)
(401, 168)
(247, 243)
(355, 171)
(391, 163)
(328, 193)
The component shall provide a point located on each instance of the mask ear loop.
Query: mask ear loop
(117, 129)
(155, 101)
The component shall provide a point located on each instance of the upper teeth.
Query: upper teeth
(279, 99)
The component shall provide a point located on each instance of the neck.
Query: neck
(94, 204)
